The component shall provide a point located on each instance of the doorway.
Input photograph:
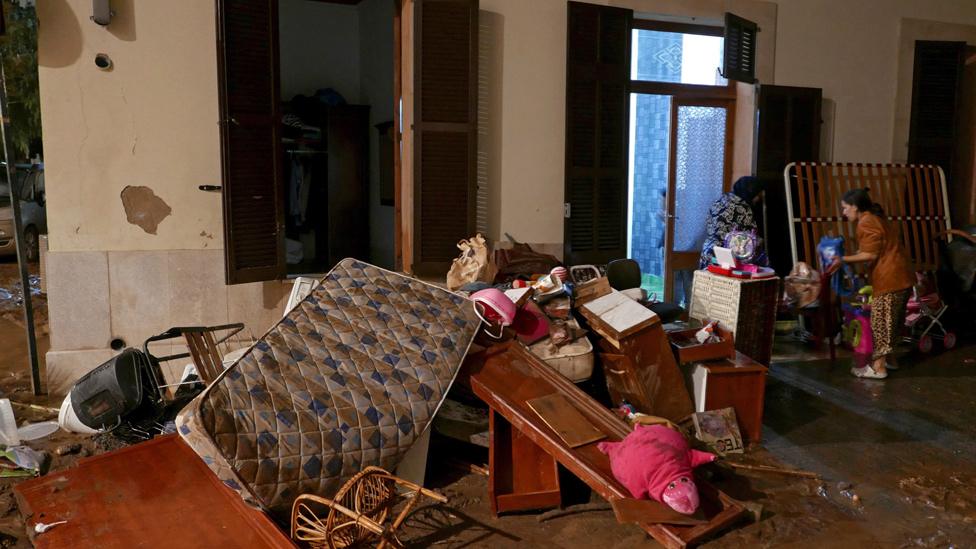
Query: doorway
(337, 100)
(681, 123)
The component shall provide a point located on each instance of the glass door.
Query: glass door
(698, 173)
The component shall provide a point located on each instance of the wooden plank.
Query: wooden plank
(509, 375)
(927, 255)
(630, 510)
(801, 183)
(913, 209)
(560, 415)
(153, 494)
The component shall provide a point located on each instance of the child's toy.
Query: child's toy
(656, 462)
(925, 310)
(857, 323)
(843, 282)
(494, 308)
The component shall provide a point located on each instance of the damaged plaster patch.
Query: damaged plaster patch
(143, 208)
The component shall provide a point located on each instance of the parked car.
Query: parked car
(29, 182)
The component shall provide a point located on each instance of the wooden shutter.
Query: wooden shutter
(935, 103)
(740, 49)
(789, 131)
(247, 57)
(597, 109)
(445, 130)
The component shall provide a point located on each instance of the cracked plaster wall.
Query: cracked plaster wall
(150, 121)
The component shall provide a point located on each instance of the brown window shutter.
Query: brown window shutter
(247, 59)
(445, 130)
(935, 104)
(597, 111)
(740, 49)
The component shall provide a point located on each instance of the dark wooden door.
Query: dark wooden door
(247, 59)
(597, 108)
(445, 130)
(935, 101)
(789, 131)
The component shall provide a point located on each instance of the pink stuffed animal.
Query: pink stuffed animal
(655, 461)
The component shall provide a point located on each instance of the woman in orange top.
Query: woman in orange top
(890, 276)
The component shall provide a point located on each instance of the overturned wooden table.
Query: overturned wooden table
(524, 452)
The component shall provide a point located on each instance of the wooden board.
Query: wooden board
(617, 316)
(630, 510)
(154, 494)
(508, 376)
(563, 418)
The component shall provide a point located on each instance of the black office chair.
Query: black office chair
(624, 275)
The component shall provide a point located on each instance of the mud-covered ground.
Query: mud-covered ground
(897, 459)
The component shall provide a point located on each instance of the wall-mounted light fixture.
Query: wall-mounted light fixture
(101, 12)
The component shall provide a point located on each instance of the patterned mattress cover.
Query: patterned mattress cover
(351, 377)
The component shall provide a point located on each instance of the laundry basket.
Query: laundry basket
(745, 307)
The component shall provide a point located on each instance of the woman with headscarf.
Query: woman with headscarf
(891, 277)
(731, 212)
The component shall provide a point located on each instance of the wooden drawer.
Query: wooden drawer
(740, 384)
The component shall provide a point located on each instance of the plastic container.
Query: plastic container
(70, 422)
(35, 431)
(573, 360)
(8, 424)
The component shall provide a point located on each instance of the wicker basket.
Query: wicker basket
(745, 307)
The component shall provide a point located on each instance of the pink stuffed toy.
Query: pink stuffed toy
(655, 461)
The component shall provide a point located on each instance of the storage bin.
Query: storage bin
(687, 349)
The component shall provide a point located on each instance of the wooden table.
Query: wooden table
(154, 494)
(637, 360)
(524, 451)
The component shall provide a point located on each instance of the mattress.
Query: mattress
(350, 377)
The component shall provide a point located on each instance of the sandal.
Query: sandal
(868, 372)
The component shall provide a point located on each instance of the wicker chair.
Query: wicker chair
(358, 514)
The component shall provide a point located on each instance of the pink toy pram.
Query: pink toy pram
(924, 313)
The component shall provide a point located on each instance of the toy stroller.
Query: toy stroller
(924, 312)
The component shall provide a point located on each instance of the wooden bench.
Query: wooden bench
(524, 452)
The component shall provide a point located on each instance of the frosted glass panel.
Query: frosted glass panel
(700, 169)
(650, 131)
(677, 57)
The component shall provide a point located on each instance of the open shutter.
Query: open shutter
(789, 131)
(597, 107)
(740, 49)
(445, 130)
(247, 57)
(935, 103)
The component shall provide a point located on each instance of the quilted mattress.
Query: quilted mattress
(351, 377)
